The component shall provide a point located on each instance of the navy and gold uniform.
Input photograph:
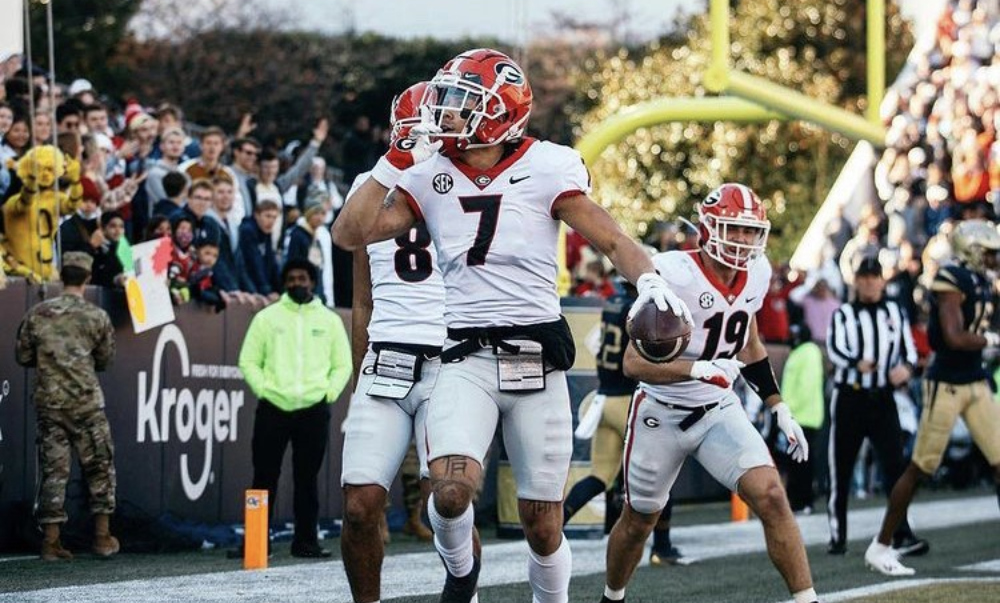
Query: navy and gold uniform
(956, 380)
(607, 445)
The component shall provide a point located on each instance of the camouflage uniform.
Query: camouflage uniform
(68, 340)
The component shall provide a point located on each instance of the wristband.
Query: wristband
(760, 376)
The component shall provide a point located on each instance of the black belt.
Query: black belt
(426, 351)
(695, 413)
(473, 340)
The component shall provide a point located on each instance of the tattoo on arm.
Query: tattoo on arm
(389, 200)
(456, 466)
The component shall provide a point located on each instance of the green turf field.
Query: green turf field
(742, 578)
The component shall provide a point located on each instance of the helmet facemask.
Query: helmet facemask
(482, 109)
(718, 244)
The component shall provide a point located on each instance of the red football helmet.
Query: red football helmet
(487, 90)
(405, 111)
(733, 205)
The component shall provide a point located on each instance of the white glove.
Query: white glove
(652, 287)
(411, 147)
(721, 372)
(591, 419)
(992, 339)
(798, 447)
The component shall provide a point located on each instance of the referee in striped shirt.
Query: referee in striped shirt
(872, 350)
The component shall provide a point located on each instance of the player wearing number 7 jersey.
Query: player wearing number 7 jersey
(687, 407)
(492, 202)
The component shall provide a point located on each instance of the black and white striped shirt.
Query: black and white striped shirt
(879, 333)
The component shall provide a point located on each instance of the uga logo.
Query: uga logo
(509, 73)
(405, 144)
(651, 422)
(442, 183)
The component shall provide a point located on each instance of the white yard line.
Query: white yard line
(503, 563)
(888, 587)
(985, 566)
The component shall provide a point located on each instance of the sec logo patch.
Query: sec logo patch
(442, 183)
(707, 300)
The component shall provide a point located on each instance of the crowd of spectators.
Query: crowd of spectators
(235, 208)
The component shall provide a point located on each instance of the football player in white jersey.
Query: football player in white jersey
(687, 407)
(397, 334)
(492, 201)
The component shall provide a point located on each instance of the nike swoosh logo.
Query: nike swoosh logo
(514, 180)
(750, 299)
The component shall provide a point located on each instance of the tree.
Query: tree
(86, 35)
(814, 46)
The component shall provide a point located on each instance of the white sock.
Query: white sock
(806, 596)
(614, 595)
(549, 575)
(453, 539)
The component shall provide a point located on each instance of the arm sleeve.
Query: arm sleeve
(298, 246)
(104, 352)
(295, 172)
(836, 341)
(25, 352)
(341, 366)
(253, 354)
(571, 177)
(909, 350)
(256, 276)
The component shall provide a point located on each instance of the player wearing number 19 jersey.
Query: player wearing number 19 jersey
(687, 407)
(492, 203)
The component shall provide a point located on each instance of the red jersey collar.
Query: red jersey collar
(483, 178)
(728, 293)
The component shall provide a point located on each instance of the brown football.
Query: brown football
(658, 336)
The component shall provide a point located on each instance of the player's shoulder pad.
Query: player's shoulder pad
(676, 267)
(759, 273)
(951, 277)
(557, 157)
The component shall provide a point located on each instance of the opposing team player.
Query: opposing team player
(956, 383)
(492, 203)
(605, 415)
(397, 333)
(687, 407)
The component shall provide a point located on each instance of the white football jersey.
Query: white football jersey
(721, 316)
(494, 231)
(407, 290)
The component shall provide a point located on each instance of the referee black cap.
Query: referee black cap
(868, 266)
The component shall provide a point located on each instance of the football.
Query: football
(658, 336)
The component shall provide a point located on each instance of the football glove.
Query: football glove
(721, 372)
(798, 447)
(652, 287)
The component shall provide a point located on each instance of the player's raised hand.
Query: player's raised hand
(798, 447)
(721, 372)
(652, 287)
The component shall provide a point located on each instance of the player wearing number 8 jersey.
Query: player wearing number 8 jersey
(492, 202)
(397, 333)
(687, 407)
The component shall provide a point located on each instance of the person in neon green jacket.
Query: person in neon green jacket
(297, 360)
(802, 389)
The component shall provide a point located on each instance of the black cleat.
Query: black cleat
(666, 557)
(836, 548)
(605, 599)
(911, 546)
(309, 550)
(461, 590)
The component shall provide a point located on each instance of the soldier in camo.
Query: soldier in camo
(67, 340)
